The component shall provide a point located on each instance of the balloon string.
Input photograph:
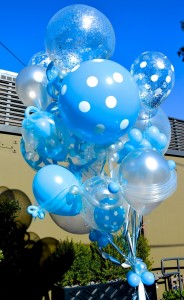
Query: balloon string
(128, 259)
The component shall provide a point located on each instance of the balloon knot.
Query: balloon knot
(36, 212)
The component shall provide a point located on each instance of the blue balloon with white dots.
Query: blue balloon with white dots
(99, 101)
(111, 219)
(155, 77)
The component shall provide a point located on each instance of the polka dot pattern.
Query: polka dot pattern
(155, 76)
(92, 81)
(110, 220)
(84, 106)
(99, 101)
(111, 101)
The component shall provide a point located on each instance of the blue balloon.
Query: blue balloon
(78, 33)
(147, 278)
(133, 279)
(109, 220)
(53, 190)
(99, 101)
(155, 77)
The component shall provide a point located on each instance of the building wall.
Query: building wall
(164, 226)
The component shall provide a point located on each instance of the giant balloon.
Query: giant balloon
(78, 33)
(99, 101)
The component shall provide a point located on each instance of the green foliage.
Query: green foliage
(144, 250)
(89, 266)
(172, 295)
(1, 255)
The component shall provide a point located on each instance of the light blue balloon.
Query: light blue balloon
(133, 279)
(99, 101)
(109, 220)
(78, 33)
(51, 187)
(155, 77)
(147, 278)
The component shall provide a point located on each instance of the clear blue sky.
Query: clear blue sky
(139, 26)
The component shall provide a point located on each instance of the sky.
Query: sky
(139, 26)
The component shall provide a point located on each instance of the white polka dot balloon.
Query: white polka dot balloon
(155, 77)
(99, 101)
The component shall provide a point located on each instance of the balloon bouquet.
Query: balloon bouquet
(96, 135)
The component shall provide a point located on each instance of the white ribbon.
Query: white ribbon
(141, 291)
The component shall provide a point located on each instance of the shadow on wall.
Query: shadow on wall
(25, 271)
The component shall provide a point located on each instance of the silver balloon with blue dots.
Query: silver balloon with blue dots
(78, 33)
(155, 77)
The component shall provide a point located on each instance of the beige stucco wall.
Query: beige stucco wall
(164, 227)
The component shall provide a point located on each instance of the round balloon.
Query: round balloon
(73, 224)
(94, 32)
(52, 188)
(40, 59)
(31, 87)
(99, 101)
(155, 77)
(146, 179)
(102, 208)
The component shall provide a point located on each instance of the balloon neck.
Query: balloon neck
(36, 212)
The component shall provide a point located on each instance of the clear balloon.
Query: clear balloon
(146, 179)
(44, 134)
(31, 87)
(94, 32)
(102, 209)
(40, 59)
(155, 77)
(99, 101)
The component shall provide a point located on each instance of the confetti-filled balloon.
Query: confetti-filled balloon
(155, 77)
(78, 33)
(40, 59)
(99, 101)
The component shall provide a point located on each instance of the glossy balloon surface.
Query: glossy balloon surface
(78, 33)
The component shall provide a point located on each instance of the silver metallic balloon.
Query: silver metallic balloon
(146, 179)
(74, 224)
(31, 87)
(143, 167)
